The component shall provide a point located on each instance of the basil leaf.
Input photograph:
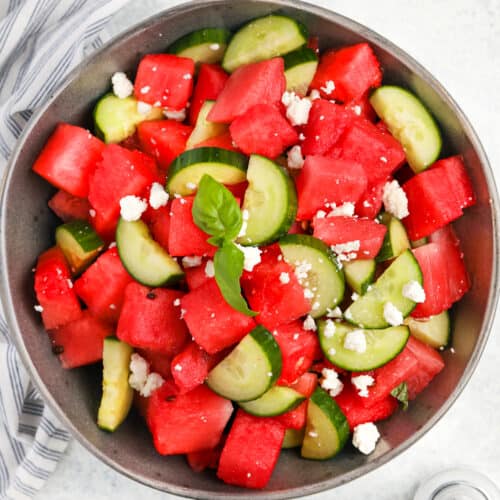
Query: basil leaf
(216, 212)
(228, 264)
(401, 394)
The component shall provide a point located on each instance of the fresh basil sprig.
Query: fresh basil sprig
(401, 394)
(216, 212)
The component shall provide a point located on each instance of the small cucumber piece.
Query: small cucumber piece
(145, 260)
(435, 331)
(410, 123)
(318, 270)
(368, 310)
(250, 369)
(419, 243)
(327, 430)
(360, 274)
(293, 438)
(395, 241)
(202, 46)
(264, 38)
(117, 395)
(381, 346)
(115, 119)
(271, 202)
(300, 68)
(79, 243)
(275, 401)
(186, 171)
(204, 129)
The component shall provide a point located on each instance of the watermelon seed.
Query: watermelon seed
(57, 349)
(151, 296)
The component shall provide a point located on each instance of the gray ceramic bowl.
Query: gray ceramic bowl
(27, 229)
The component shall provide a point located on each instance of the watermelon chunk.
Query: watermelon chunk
(159, 224)
(370, 203)
(213, 323)
(258, 83)
(362, 107)
(196, 276)
(158, 362)
(223, 141)
(54, 290)
(151, 319)
(204, 459)
(68, 207)
(261, 440)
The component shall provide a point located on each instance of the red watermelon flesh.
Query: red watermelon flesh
(159, 224)
(197, 276)
(370, 203)
(204, 459)
(68, 207)
(158, 362)
(223, 141)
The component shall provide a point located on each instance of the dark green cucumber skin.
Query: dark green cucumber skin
(289, 408)
(386, 251)
(299, 56)
(266, 340)
(97, 129)
(205, 35)
(83, 233)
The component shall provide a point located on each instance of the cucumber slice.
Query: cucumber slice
(293, 438)
(275, 401)
(419, 243)
(368, 310)
(410, 123)
(79, 243)
(115, 119)
(300, 68)
(250, 369)
(270, 200)
(202, 46)
(395, 241)
(264, 38)
(327, 430)
(317, 270)
(144, 259)
(186, 171)
(204, 129)
(117, 395)
(381, 346)
(360, 274)
(435, 331)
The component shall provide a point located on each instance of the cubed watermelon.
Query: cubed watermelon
(362, 107)
(158, 362)
(370, 203)
(223, 141)
(159, 225)
(68, 207)
(204, 459)
(197, 276)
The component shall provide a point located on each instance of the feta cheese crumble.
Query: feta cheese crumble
(132, 207)
(334, 313)
(139, 371)
(302, 269)
(329, 330)
(122, 86)
(284, 278)
(392, 314)
(365, 437)
(251, 256)
(320, 214)
(295, 160)
(209, 269)
(177, 302)
(395, 200)
(346, 209)
(309, 324)
(346, 251)
(413, 290)
(178, 116)
(191, 261)
(214, 46)
(314, 94)
(297, 109)
(330, 382)
(143, 108)
(158, 197)
(354, 296)
(355, 341)
(145, 89)
(329, 87)
(92, 212)
(362, 382)
(153, 382)
(38, 308)
(308, 294)
(357, 109)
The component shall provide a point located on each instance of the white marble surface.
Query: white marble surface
(459, 42)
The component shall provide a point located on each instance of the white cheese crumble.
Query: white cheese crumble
(145, 89)
(346, 251)
(284, 278)
(139, 371)
(178, 367)
(314, 94)
(354, 296)
(334, 313)
(413, 290)
(302, 269)
(365, 437)
(329, 330)
(214, 46)
(330, 382)
(38, 308)
(191, 261)
(309, 324)
(362, 382)
(92, 212)
(143, 108)
(329, 87)
(346, 210)
(178, 116)
(297, 109)
(187, 76)
(395, 200)
(153, 382)
(209, 269)
(320, 214)
(122, 86)
(251, 256)
(295, 160)
(158, 197)
(308, 294)
(357, 109)
(392, 314)
(355, 341)
(132, 207)
(177, 302)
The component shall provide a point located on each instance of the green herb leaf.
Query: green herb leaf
(228, 264)
(216, 211)
(401, 394)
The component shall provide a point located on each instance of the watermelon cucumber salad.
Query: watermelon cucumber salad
(256, 243)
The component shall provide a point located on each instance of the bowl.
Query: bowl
(27, 227)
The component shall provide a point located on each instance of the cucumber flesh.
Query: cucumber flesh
(186, 171)
(300, 68)
(270, 202)
(317, 270)
(327, 430)
(419, 243)
(79, 243)
(368, 310)
(250, 369)
(144, 259)
(264, 38)
(395, 241)
(434, 331)
(381, 346)
(117, 394)
(275, 401)
(293, 438)
(410, 123)
(204, 129)
(115, 119)
(360, 274)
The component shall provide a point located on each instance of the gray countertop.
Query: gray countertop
(459, 42)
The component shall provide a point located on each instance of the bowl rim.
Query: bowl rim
(413, 65)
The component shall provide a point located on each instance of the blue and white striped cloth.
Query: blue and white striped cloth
(40, 42)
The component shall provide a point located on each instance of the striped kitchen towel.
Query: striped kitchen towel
(40, 42)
